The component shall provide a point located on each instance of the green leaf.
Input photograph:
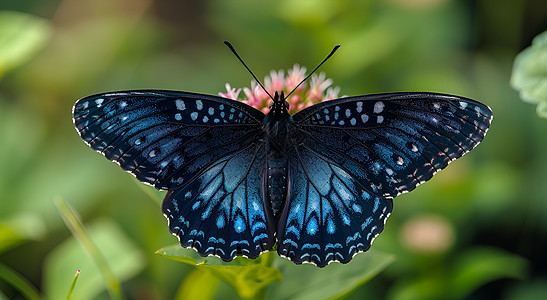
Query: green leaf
(332, 281)
(21, 36)
(19, 282)
(482, 265)
(200, 284)
(534, 289)
(247, 276)
(530, 74)
(19, 228)
(120, 253)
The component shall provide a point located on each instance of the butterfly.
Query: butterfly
(318, 184)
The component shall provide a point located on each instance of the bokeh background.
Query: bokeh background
(477, 230)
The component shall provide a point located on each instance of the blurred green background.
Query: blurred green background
(478, 230)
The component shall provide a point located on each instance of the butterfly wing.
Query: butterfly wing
(197, 146)
(329, 216)
(352, 155)
(164, 138)
(221, 212)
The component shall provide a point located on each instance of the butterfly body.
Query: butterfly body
(277, 127)
(319, 183)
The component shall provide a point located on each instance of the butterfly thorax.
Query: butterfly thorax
(277, 125)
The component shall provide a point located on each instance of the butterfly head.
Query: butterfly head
(279, 106)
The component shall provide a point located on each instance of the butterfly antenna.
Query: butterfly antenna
(241, 60)
(311, 73)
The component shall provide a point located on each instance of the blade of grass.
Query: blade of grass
(72, 285)
(19, 282)
(73, 223)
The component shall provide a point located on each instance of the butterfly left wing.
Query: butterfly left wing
(205, 150)
(164, 137)
(351, 156)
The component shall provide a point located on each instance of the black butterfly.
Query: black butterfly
(320, 183)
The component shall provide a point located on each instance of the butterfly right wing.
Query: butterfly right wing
(353, 155)
(330, 215)
(221, 211)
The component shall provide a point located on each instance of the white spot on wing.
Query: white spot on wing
(180, 104)
(359, 107)
(378, 107)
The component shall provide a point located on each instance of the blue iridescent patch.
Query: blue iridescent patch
(320, 183)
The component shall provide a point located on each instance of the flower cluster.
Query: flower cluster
(319, 90)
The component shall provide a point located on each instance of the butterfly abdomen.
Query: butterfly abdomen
(277, 182)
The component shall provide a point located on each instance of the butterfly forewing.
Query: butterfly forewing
(393, 142)
(164, 138)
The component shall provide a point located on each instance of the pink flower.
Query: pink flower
(275, 82)
(231, 93)
(295, 76)
(255, 95)
(319, 90)
(318, 85)
(332, 93)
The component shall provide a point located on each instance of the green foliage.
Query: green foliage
(16, 280)
(530, 74)
(107, 256)
(459, 278)
(21, 35)
(20, 228)
(248, 277)
(283, 279)
(334, 281)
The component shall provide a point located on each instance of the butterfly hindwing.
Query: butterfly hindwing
(394, 141)
(164, 137)
(221, 211)
(329, 215)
